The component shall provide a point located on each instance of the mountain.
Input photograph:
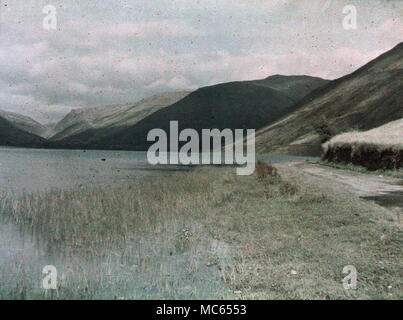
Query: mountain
(112, 117)
(48, 130)
(24, 123)
(246, 104)
(11, 135)
(367, 98)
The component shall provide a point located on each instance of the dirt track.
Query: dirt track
(385, 191)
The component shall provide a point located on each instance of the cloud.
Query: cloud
(117, 52)
(167, 28)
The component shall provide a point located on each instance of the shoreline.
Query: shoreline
(208, 233)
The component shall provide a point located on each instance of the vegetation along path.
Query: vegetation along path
(385, 191)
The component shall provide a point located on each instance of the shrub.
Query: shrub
(264, 169)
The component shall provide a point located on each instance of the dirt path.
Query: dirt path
(385, 191)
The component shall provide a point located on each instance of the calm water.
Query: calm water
(22, 259)
(39, 170)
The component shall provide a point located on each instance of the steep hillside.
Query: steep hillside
(10, 135)
(24, 123)
(243, 105)
(109, 117)
(367, 98)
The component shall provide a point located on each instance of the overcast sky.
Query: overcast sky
(112, 52)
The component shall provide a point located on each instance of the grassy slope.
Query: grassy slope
(383, 137)
(247, 104)
(367, 98)
(216, 235)
(379, 148)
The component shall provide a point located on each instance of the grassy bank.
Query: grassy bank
(207, 234)
(379, 148)
(396, 173)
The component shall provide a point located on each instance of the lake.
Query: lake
(22, 255)
(39, 170)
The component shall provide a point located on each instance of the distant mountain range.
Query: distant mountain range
(25, 123)
(11, 135)
(246, 104)
(367, 98)
(108, 118)
(293, 114)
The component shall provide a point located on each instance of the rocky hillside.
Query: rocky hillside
(365, 99)
(247, 104)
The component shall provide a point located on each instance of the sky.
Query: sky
(113, 52)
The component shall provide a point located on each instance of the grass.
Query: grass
(380, 172)
(205, 234)
(384, 137)
(379, 148)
